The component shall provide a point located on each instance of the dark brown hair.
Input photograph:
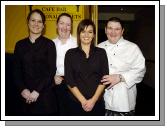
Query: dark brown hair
(81, 26)
(39, 12)
(115, 19)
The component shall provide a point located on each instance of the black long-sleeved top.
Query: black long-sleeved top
(85, 73)
(35, 64)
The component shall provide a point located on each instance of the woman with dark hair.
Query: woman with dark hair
(34, 68)
(84, 68)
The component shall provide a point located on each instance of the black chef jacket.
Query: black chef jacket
(85, 73)
(34, 69)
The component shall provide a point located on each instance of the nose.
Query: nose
(36, 22)
(64, 26)
(113, 30)
(86, 34)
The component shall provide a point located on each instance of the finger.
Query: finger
(103, 80)
(59, 78)
(105, 83)
(105, 76)
(35, 100)
(58, 82)
(86, 109)
(85, 106)
(28, 101)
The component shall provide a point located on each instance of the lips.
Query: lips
(64, 31)
(86, 38)
(36, 28)
(113, 35)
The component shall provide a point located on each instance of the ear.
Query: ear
(122, 31)
(44, 25)
(105, 30)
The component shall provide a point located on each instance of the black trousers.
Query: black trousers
(77, 110)
(61, 92)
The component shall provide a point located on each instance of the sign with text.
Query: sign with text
(53, 11)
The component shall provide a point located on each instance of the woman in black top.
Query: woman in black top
(84, 68)
(34, 68)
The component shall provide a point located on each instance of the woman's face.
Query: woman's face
(35, 23)
(64, 27)
(87, 35)
(114, 31)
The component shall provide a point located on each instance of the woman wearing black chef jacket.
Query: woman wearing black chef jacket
(34, 68)
(84, 68)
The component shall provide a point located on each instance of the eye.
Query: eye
(32, 20)
(69, 25)
(90, 32)
(40, 21)
(117, 29)
(61, 23)
(82, 32)
(109, 28)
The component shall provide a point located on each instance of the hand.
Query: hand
(25, 93)
(58, 80)
(89, 105)
(83, 103)
(33, 97)
(110, 79)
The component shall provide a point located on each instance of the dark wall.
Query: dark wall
(12, 97)
(145, 38)
(139, 29)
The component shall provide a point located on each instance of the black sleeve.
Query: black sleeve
(69, 73)
(18, 70)
(104, 64)
(47, 81)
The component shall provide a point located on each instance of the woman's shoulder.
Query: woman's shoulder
(22, 41)
(46, 39)
(72, 51)
(101, 50)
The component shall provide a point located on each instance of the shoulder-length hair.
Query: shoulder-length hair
(81, 26)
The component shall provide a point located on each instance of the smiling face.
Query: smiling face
(64, 27)
(114, 31)
(35, 23)
(87, 35)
